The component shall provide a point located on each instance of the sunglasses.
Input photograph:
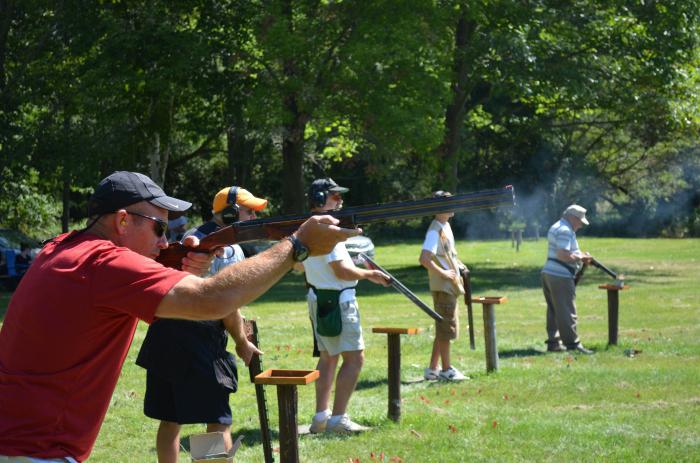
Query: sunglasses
(160, 227)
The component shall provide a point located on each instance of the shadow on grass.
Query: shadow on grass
(519, 353)
(484, 276)
(292, 288)
(370, 384)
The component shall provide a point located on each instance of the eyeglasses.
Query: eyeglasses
(161, 226)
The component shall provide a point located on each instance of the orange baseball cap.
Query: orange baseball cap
(243, 198)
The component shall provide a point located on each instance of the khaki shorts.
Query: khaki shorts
(446, 305)
(350, 339)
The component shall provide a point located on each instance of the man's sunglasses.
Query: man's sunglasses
(160, 227)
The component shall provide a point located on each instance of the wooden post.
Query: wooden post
(613, 310)
(490, 328)
(394, 367)
(289, 434)
(287, 382)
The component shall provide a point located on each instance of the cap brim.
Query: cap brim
(584, 221)
(170, 203)
(339, 189)
(256, 204)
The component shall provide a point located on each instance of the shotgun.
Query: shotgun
(255, 368)
(619, 279)
(276, 228)
(467, 281)
(398, 286)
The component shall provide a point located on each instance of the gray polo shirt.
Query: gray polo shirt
(561, 235)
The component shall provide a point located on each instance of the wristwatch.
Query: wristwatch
(299, 251)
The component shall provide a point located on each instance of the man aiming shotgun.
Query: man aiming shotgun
(71, 321)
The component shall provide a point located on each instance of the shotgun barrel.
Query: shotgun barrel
(398, 286)
(276, 228)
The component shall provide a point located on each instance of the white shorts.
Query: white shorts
(350, 339)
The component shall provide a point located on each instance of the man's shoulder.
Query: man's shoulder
(561, 226)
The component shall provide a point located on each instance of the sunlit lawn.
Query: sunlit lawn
(537, 407)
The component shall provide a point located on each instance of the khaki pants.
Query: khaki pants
(560, 294)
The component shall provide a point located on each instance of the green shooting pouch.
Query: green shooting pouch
(328, 319)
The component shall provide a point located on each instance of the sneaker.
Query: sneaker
(580, 349)
(345, 426)
(318, 425)
(452, 374)
(555, 348)
(431, 374)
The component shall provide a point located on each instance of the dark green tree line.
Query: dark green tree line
(568, 100)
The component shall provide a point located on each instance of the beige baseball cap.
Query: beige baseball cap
(577, 211)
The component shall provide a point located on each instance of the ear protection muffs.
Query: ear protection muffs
(230, 214)
(318, 198)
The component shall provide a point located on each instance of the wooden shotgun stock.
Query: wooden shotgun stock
(466, 278)
(276, 228)
(255, 368)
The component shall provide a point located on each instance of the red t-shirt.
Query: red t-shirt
(66, 334)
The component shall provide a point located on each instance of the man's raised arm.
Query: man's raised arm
(212, 298)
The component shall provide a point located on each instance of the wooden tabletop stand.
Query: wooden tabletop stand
(490, 328)
(613, 310)
(287, 382)
(394, 367)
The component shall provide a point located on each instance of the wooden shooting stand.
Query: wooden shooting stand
(613, 310)
(394, 367)
(490, 328)
(287, 382)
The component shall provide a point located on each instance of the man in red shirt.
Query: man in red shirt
(71, 321)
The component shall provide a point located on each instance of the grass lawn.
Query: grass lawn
(537, 407)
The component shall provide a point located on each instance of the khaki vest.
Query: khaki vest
(447, 251)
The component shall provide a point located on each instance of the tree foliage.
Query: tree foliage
(584, 100)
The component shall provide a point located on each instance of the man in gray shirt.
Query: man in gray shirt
(564, 260)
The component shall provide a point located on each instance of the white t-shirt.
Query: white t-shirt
(319, 273)
(432, 241)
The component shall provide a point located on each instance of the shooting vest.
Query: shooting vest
(445, 250)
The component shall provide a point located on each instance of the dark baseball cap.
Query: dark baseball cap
(123, 188)
(327, 184)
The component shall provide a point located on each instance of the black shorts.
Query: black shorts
(189, 401)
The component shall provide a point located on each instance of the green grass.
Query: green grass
(537, 407)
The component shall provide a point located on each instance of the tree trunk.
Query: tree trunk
(293, 159)
(293, 140)
(454, 115)
(239, 149)
(154, 159)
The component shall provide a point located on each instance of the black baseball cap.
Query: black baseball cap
(327, 184)
(123, 188)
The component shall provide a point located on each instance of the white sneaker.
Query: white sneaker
(430, 374)
(452, 374)
(345, 426)
(318, 425)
